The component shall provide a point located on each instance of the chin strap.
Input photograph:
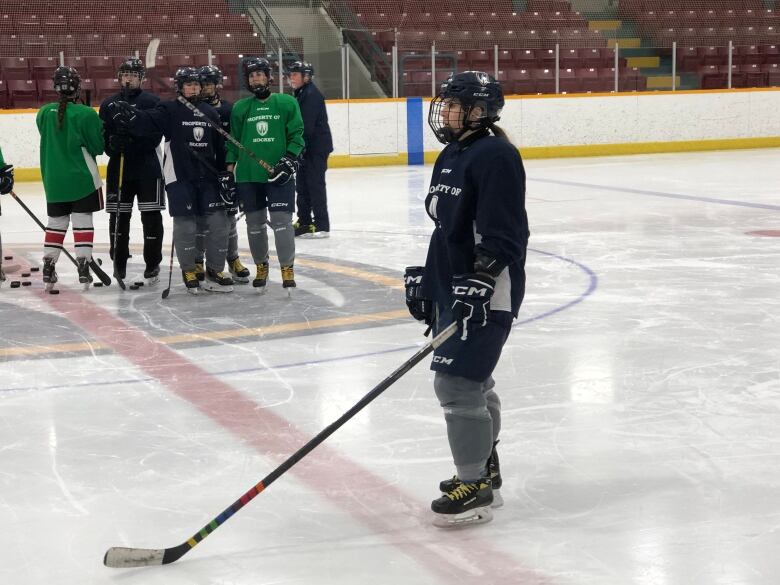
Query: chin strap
(261, 91)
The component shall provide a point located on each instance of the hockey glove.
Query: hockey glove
(284, 170)
(227, 189)
(471, 301)
(419, 307)
(122, 115)
(6, 179)
(119, 142)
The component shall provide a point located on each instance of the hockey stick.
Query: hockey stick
(104, 278)
(227, 135)
(167, 291)
(116, 220)
(122, 557)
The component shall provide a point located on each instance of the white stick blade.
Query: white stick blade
(120, 557)
(151, 53)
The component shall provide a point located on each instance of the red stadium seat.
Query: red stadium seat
(23, 93)
(105, 87)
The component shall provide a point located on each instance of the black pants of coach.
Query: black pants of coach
(312, 198)
(151, 202)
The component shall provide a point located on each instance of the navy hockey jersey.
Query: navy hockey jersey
(143, 158)
(191, 144)
(477, 196)
(223, 109)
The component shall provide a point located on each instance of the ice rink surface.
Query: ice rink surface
(640, 387)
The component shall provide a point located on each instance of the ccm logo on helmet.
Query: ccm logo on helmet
(438, 359)
(414, 280)
(469, 291)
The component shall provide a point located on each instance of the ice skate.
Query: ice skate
(465, 505)
(316, 234)
(261, 278)
(85, 277)
(302, 230)
(238, 271)
(152, 276)
(288, 279)
(200, 271)
(49, 274)
(494, 471)
(217, 282)
(191, 282)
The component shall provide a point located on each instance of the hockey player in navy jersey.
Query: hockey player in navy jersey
(141, 175)
(211, 80)
(193, 188)
(474, 274)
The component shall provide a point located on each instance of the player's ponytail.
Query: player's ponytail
(500, 133)
(61, 111)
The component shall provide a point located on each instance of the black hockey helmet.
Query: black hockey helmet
(67, 82)
(132, 65)
(258, 64)
(303, 67)
(185, 75)
(210, 74)
(472, 90)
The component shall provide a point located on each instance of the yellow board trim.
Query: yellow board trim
(604, 24)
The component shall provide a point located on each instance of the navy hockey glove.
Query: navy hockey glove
(471, 294)
(6, 179)
(419, 307)
(122, 115)
(227, 189)
(284, 170)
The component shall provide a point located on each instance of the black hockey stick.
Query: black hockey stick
(226, 135)
(104, 278)
(116, 219)
(167, 291)
(122, 557)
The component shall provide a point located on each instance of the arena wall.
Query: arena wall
(394, 131)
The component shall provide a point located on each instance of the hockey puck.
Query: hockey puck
(54, 291)
(25, 274)
(26, 283)
(8, 257)
(139, 284)
(133, 287)
(34, 269)
(97, 284)
(15, 284)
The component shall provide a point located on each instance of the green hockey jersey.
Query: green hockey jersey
(269, 128)
(68, 154)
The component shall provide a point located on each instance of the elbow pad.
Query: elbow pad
(485, 262)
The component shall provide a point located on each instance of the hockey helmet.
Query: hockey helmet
(481, 100)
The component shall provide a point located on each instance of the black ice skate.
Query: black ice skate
(288, 279)
(152, 276)
(302, 229)
(217, 281)
(315, 233)
(49, 274)
(85, 277)
(494, 471)
(467, 504)
(191, 281)
(261, 278)
(238, 271)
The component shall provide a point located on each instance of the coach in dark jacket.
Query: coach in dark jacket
(313, 220)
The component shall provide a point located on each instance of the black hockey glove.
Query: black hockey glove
(419, 307)
(284, 170)
(227, 189)
(122, 115)
(6, 179)
(119, 142)
(471, 294)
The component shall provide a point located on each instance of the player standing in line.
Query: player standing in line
(71, 138)
(211, 82)
(6, 185)
(474, 274)
(313, 220)
(141, 176)
(270, 126)
(191, 147)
